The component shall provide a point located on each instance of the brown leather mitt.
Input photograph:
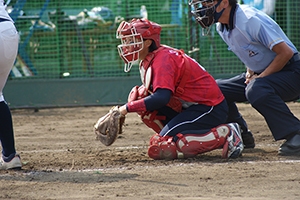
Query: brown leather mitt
(109, 126)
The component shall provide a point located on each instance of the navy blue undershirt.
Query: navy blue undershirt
(158, 99)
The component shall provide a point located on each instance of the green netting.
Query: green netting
(66, 39)
(76, 39)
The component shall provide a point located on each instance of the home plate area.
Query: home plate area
(62, 160)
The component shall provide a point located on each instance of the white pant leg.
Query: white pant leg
(9, 41)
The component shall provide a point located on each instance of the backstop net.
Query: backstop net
(76, 39)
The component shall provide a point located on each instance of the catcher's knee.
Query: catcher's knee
(162, 148)
(153, 121)
(137, 93)
(191, 145)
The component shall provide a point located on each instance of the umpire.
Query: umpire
(273, 68)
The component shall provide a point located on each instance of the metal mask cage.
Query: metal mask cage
(203, 12)
(135, 46)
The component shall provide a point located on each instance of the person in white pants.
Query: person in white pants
(9, 41)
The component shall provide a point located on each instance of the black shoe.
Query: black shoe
(248, 140)
(291, 147)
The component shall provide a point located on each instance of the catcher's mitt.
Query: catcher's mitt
(109, 126)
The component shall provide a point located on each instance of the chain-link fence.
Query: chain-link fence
(67, 39)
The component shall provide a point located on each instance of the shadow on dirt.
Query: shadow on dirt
(66, 177)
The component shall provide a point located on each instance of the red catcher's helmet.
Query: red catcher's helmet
(132, 35)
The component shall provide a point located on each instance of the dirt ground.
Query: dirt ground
(62, 160)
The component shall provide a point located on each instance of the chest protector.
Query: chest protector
(146, 77)
(151, 119)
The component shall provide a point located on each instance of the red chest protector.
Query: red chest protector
(151, 119)
(146, 77)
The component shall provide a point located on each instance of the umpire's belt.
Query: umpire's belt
(295, 58)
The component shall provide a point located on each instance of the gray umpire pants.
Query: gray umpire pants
(268, 96)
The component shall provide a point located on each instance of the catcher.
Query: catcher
(178, 99)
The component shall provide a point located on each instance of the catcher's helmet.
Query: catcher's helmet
(205, 13)
(132, 35)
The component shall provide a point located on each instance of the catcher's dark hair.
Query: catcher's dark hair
(152, 47)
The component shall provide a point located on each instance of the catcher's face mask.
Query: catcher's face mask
(132, 44)
(132, 35)
(205, 13)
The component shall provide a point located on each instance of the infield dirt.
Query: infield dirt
(62, 160)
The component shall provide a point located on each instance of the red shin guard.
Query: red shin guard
(191, 144)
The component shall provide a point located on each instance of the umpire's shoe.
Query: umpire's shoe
(248, 140)
(291, 147)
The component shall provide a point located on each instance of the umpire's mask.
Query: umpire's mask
(205, 13)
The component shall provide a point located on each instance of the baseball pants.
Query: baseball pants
(9, 40)
(268, 96)
(197, 119)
